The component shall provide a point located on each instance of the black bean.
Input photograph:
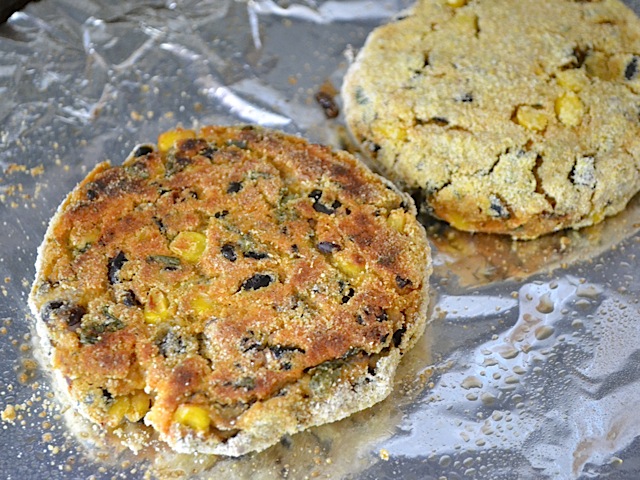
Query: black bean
(228, 252)
(208, 152)
(336, 204)
(440, 121)
(397, 336)
(321, 208)
(115, 264)
(497, 208)
(281, 350)
(315, 195)
(359, 319)
(259, 280)
(129, 299)
(632, 69)
(71, 314)
(383, 338)
(328, 247)
(256, 255)
(234, 187)
(142, 150)
(403, 282)
(382, 317)
(349, 295)
(107, 395)
(466, 98)
(91, 194)
(221, 214)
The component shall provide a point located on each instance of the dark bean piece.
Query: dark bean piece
(403, 282)
(259, 280)
(256, 255)
(383, 338)
(294, 248)
(382, 317)
(315, 195)
(107, 395)
(285, 366)
(466, 98)
(397, 336)
(229, 252)
(115, 264)
(92, 194)
(281, 350)
(142, 150)
(321, 208)
(328, 104)
(71, 314)
(349, 295)
(632, 69)
(359, 319)
(208, 152)
(328, 247)
(234, 187)
(129, 299)
(221, 214)
(336, 204)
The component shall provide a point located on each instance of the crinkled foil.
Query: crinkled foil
(529, 367)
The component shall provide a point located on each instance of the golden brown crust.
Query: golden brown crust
(518, 118)
(221, 271)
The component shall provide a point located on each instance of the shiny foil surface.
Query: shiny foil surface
(529, 366)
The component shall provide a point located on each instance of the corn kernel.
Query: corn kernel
(167, 140)
(397, 220)
(465, 23)
(456, 3)
(118, 410)
(189, 245)
(157, 307)
(531, 118)
(348, 267)
(202, 305)
(139, 406)
(192, 416)
(572, 79)
(569, 109)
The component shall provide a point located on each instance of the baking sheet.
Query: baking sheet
(529, 367)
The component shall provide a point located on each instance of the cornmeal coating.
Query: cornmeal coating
(502, 116)
(230, 286)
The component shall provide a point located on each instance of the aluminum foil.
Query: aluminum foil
(529, 367)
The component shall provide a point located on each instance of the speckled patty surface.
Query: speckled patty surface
(230, 286)
(515, 117)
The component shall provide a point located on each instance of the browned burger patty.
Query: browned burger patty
(230, 286)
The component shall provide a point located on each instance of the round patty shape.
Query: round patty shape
(513, 117)
(230, 286)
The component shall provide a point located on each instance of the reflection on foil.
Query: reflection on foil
(328, 12)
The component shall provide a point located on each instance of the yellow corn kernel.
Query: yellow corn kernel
(348, 267)
(138, 406)
(573, 79)
(456, 3)
(189, 245)
(396, 220)
(167, 140)
(202, 305)
(465, 23)
(531, 118)
(118, 410)
(192, 416)
(569, 109)
(157, 307)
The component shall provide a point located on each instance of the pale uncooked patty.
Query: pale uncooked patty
(515, 117)
(228, 287)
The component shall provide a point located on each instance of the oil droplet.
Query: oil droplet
(587, 291)
(509, 352)
(543, 332)
(487, 398)
(545, 305)
(445, 461)
(471, 382)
